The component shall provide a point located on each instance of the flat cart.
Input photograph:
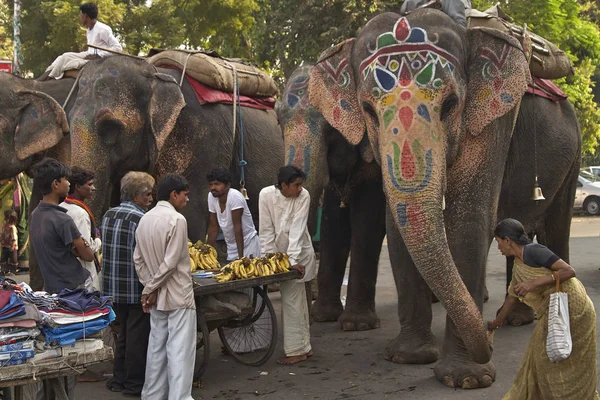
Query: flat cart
(249, 334)
(52, 372)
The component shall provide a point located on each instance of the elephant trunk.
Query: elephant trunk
(414, 188)
(87, 153)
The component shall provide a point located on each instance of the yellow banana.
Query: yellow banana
(193, 266)
(251, 270)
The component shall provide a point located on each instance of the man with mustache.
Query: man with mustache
(229, 211)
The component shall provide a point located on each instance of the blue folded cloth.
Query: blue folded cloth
(82, 300)
(68, 334)
(13, 308)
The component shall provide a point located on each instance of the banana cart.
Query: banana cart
(248, 330)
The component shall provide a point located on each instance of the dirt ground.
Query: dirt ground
(351, 364)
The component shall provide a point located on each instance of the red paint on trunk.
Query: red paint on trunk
(407, 163)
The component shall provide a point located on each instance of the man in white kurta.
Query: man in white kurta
(162, 263)
(98, 34)
(283, 228)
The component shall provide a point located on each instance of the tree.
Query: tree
(6, 43)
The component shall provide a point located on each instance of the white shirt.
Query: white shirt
(162, 258)
(235, 201)
(283, 227)
(102, 35)
(84, 224)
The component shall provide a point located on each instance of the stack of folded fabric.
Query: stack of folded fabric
(77, 314)
(18, 321)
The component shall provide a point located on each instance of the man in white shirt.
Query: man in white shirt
(98, 34)
(162, 262)
(283, 228)
(229, 210)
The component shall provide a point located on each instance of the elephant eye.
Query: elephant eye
(448, 105)
(370, 111)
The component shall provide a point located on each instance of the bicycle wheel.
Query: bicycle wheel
(202, 347)
(251, 340)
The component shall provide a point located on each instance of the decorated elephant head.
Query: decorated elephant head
(420, 86)
(305, 143)
(124, 113)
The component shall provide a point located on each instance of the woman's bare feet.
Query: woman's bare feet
(295, 359)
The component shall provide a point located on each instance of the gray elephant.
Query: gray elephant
(129, 115)
(439, 105)
(33, 122)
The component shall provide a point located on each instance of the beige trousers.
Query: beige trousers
(296, 326)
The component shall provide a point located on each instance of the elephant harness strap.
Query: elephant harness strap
(237, 111)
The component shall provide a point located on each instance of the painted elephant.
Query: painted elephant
(438, 104)
(353, 206)
(129, 115)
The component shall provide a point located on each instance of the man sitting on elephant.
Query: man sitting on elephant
(455, 9)
(98, 34)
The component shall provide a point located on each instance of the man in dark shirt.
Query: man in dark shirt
(55, 238)
(121, 282)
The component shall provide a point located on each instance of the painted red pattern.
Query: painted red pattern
(405, 76)
(336, 72)
(402, 30)
(406, 116)
(408, 48)
(407, 163)
(493, 57)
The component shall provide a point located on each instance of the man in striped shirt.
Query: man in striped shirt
(121, 282)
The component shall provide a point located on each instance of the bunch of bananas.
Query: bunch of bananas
(247, 268)
(202, 256)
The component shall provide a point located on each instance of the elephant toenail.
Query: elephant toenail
(398, 359)
(470, 382)
(363, 326)
(486, 381)
(448, 381)
(516, 322)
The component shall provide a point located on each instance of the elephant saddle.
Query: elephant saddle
(546, 89)
(217, 72)
(547, 60)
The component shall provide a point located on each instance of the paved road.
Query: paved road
(351, 365)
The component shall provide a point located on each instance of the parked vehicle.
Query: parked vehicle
(587, 195)
(592, 170)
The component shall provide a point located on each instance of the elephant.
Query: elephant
(560, 139)
(33, 122)
(130, 115)
(438, 105)
(353, 206)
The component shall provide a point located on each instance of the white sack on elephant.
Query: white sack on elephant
(216, 72)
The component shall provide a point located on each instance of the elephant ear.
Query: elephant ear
(332, 91)
(165, 105)
(498, 74)
(42, 124)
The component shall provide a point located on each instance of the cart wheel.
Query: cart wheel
(251, 340)
(202, 347)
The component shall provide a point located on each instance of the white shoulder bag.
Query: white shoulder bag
(558, 343)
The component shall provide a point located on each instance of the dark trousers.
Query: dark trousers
(129, 368)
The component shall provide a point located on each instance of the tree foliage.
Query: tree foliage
(279, 35)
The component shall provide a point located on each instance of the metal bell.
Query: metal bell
(244, 193)
(537, 191)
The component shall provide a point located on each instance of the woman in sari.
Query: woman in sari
(533, 281)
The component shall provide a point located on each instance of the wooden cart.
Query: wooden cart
(52, 372)
(249, 337)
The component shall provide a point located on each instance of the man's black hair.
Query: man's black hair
(288, 175)
(47, 171)
(79, 176)
(89, 9)
(220, 175)
(169, 183)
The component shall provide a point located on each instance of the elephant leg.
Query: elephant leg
(36, 281)
(368, 231)
(335, 247)
(416, 343)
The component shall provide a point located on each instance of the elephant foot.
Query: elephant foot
(521, 315)
(459, 371)
(412, 349)
(326, 311)
(358, 319)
